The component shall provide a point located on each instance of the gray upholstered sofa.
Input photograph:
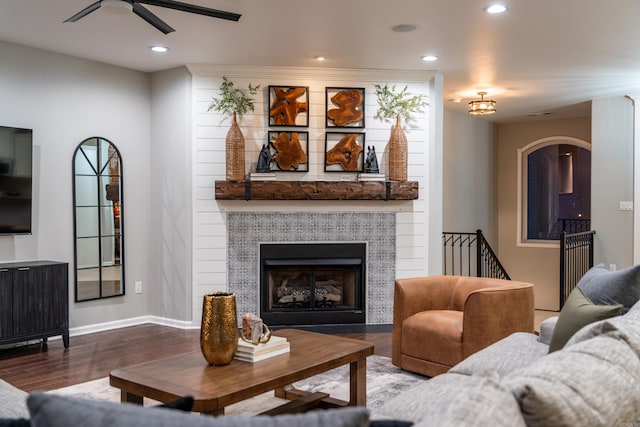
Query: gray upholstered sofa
(594, 380)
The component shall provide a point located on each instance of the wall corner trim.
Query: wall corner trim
(134, 321)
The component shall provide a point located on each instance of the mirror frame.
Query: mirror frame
(118, 234)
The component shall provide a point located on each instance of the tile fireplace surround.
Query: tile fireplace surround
(246, 231)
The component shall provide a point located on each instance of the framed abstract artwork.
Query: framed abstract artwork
(289, 151)
(289, 106)
(344, 152)
(344, 107)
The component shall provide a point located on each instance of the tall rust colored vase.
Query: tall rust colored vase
(398, 153)
(219, 329)
(235, 152)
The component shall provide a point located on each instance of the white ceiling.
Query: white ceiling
(542, 55)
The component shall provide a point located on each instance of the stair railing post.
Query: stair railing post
(479, 243)
(563, 255)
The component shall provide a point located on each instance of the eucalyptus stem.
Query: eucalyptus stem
(233, 100)
(393, 103)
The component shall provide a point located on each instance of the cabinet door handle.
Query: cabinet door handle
(4, 270)
(23, 269)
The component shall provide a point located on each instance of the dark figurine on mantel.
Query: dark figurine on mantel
(264, 160)
(371, 162)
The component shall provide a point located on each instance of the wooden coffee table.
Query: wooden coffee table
(215, 387)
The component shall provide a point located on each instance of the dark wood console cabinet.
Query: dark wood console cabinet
(34, 301)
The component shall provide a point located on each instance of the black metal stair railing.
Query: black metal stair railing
(576, 257)
(574, 225)
(469, 254)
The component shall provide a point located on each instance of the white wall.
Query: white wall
(470, 172)
(170, 237)
(66, 100)
(612, 180)
(435, 163)
(415, 227)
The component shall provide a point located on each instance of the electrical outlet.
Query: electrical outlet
(138, 287)
(626, 206)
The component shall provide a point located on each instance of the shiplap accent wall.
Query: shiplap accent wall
(209, 132)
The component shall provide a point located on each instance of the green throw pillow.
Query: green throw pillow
(578, 311)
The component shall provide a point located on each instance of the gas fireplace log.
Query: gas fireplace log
(303, 295)
(330, 297)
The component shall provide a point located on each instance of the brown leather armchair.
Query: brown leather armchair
(440, 320)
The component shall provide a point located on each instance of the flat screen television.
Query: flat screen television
(16, 171)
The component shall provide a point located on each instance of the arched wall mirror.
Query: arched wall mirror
(98, 225)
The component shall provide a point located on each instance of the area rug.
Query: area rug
(384, 381)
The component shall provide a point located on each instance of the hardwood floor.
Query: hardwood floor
(93, 356)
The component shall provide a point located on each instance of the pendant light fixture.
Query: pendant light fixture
(482, 106)
(116, 7)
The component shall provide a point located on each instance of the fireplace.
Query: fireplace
(312, 283)
(247, 231)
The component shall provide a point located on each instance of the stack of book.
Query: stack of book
(371, 177)
(262, 176)
(248, 352)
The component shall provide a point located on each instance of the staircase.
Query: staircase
(469, 254)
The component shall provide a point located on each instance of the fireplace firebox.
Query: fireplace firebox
(312, 283)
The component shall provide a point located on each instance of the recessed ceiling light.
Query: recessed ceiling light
(429, 58)
(159, 49)
(319, 57)
(495, 8)
(403, 28)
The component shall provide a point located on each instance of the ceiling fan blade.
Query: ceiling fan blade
(191, 8)
(152, 19)
(84, 12)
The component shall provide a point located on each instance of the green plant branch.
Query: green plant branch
(233, 100)
(392, 103)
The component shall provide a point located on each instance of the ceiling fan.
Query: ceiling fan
(124, 6)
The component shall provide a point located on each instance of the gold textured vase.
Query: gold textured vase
(219, 329)
(398, 153)
(235, 152)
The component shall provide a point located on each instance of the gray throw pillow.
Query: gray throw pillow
(577, 312)
(602, 286)
(50, 410)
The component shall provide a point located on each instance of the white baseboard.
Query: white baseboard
(134, 321)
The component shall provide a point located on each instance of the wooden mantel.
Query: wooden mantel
(316, 190)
